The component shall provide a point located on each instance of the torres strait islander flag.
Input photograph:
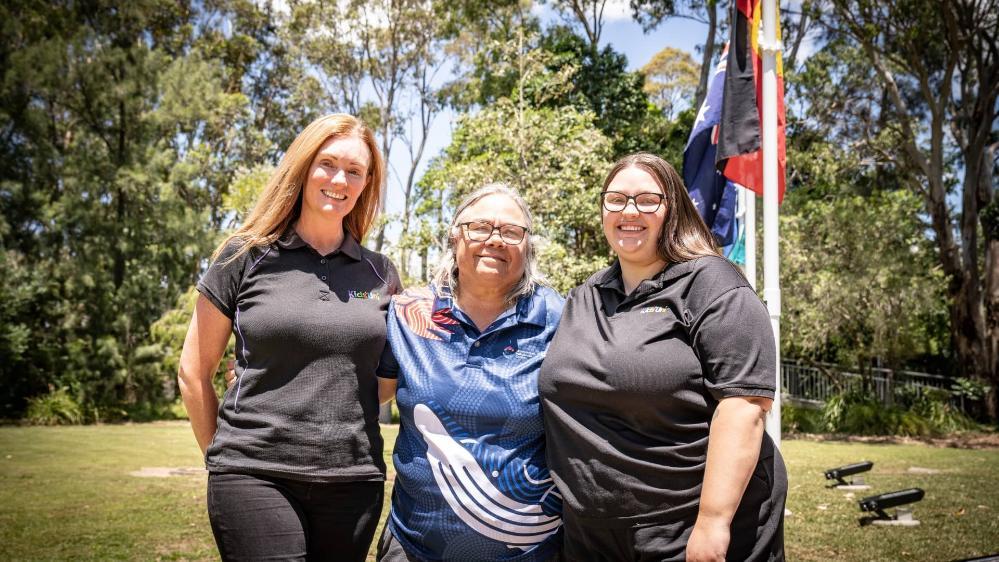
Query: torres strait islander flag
(739, 155)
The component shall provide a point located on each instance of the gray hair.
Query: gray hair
(446, 272)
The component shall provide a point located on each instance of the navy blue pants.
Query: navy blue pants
(265, 518)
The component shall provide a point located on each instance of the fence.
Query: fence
(816, 384)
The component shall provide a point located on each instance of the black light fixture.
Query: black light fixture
(839, 473)
(879, 503)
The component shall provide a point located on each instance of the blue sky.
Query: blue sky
(619, 31)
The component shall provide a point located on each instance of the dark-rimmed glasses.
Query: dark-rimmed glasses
(480, 231)
(615, 201)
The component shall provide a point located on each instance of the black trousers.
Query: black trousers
(389, 549)
(265, 518)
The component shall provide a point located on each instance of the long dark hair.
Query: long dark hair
(684, 236)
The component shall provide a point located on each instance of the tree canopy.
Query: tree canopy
(134, 134)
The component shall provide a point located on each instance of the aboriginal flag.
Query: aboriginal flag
(739, 155)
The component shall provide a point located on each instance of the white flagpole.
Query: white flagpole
(771, 258)
(749, 223)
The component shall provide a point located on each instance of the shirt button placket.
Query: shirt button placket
(326, 275)
(473, 359)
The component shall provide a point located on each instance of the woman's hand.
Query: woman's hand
(230, 372)
(733, 451)
(708, 541)
(203, 348)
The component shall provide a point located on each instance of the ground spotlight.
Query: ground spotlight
(879, 503)
(839, 473)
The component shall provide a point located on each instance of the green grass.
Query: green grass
(66, 493)
(959, 515)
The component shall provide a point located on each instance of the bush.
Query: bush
(57, 407)
(800, 419)
(916, 412)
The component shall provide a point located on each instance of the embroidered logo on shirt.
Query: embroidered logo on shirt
(373, 295)
(653, 309)
(511, 351)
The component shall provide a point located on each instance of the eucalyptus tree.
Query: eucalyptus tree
(934, 118)
(671, 77)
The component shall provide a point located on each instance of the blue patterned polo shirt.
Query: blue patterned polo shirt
(472, 482)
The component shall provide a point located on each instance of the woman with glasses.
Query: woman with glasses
(471, 478)
(655, 390)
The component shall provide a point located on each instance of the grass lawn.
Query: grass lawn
(67, 493)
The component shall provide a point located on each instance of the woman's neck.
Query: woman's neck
(633, 273)
(324, 236)
(482, 304)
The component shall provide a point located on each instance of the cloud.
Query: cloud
(614, 11)
(617, 10)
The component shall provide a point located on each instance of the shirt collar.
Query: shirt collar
(612, 278)
(290, 240)
(530, 309)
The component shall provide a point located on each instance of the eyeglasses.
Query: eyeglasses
(615, 201)
(480, 231)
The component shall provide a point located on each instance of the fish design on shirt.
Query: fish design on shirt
(474, 497)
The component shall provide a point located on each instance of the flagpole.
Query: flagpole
(749, 223)
(771, 258)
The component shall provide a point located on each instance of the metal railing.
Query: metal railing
(817, 383)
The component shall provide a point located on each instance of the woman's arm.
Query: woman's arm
(733, 451)
(203, 348)
(386, 389)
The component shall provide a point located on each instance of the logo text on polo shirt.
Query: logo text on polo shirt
(374, 295)
(653, 309)
(511, 351)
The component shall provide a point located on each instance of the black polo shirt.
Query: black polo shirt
(630, 383)
(309, 331)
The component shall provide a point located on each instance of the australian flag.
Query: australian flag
(713, 195)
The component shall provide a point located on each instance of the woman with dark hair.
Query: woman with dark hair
(294, 452)
(655, 389)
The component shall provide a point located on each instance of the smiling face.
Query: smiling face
(337, 176)
(492, 263)
(631, 234)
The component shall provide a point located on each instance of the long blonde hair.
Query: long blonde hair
(684, 236)
(280, 203)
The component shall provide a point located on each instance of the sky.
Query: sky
(620, 32)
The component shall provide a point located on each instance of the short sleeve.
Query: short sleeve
(220, 284)
(388, 366)
(734, 341)
(394, 280)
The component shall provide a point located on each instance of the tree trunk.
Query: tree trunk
(708, 55)
(424, 271)
(992, 326)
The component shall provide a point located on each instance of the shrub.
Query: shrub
(57, 407)
(796, 418)
(916, 412)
